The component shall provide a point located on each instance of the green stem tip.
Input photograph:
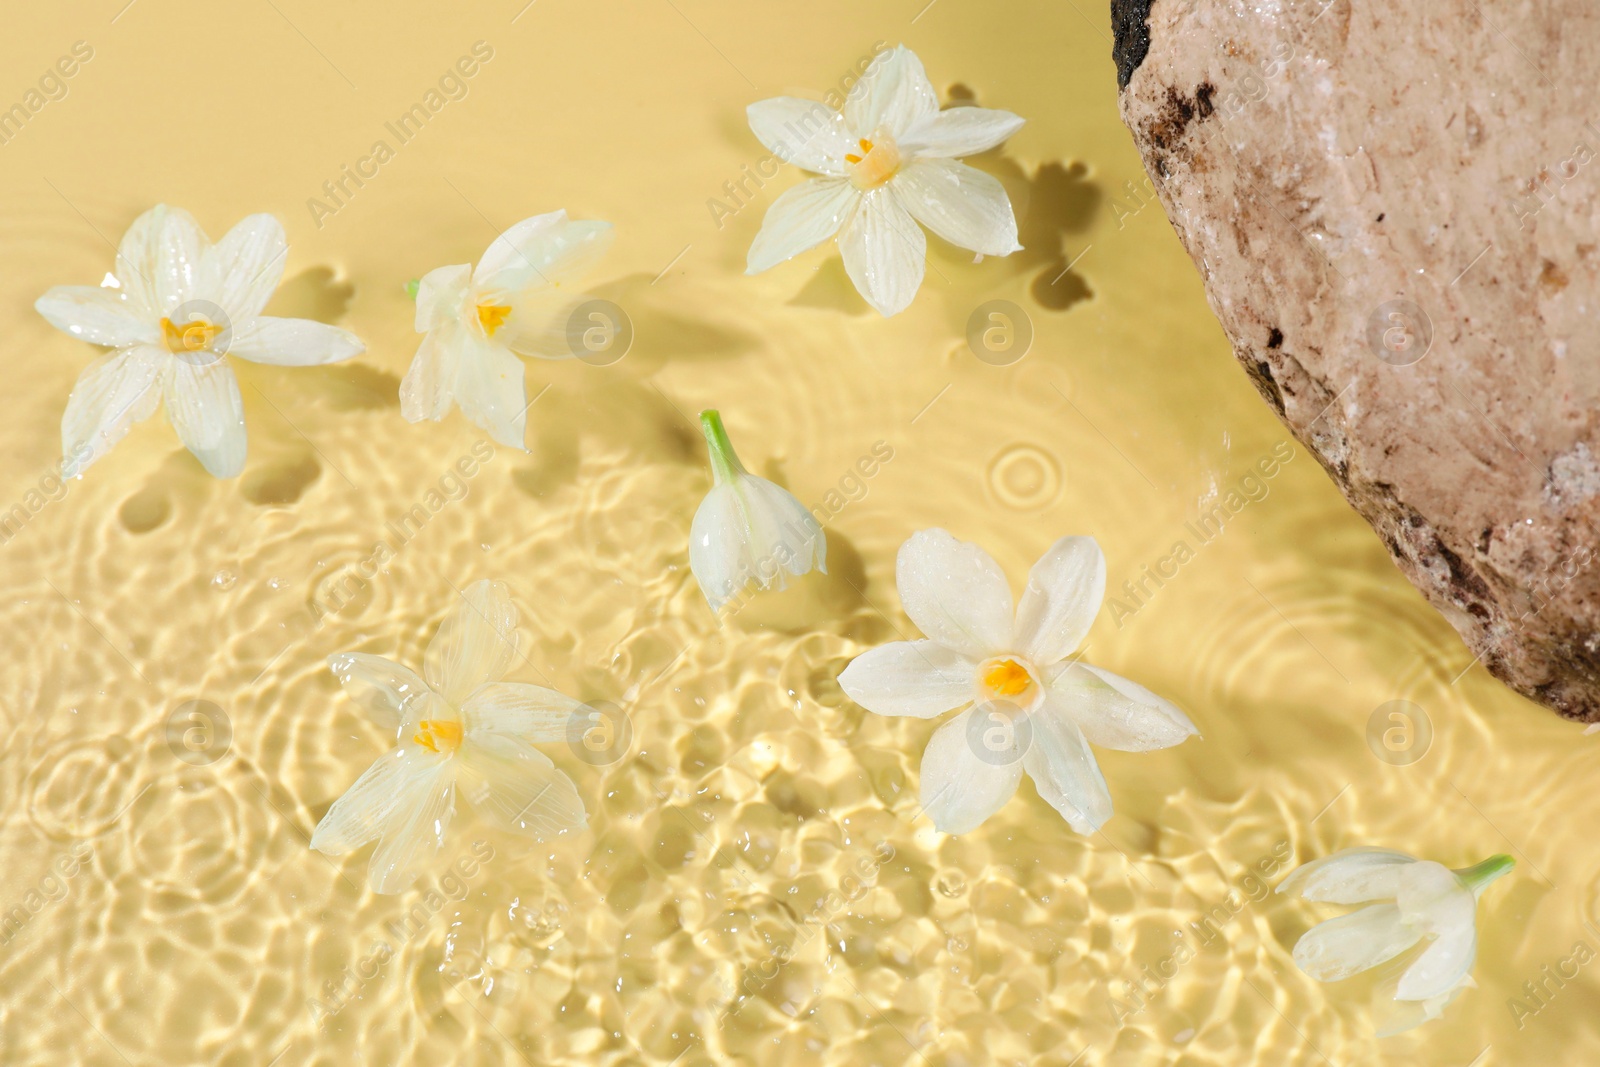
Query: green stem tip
(1480, 875)
(412, 286)
(725, 463)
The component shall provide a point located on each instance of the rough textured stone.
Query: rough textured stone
(1323, 164)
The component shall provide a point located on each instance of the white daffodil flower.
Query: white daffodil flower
(887, 162)
(477, 321)
(1034, 709)
(748, 529)
(1424, 918)
(461, 728)
(175, 307)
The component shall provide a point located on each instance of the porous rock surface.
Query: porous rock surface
(1393, 209)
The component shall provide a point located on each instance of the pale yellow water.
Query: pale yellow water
(758, 815)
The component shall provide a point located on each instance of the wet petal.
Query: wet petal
(1064, 770)
(543, 250)
(204, 406)
(1351, 876)
(361, 814)
(963, 205)
(475, 644)
(97, 314)
(885, 252)
(959, 790)
(917, 678)
(530, 712)
(806, 133)
(428, 389)
(516, 788)
(247, 265)
(491, 389)
(441, 296)
(1115, 713)
(1339, 948)
(955, 592)
(293, 342)
(1061, 599)
(1441, 968)
(114, 392)
(414, 832)
(959, 131)
(162, 261)
(381, 687)
(802, 218)
(894, 93)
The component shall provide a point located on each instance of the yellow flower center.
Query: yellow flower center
(1007, 678)
(877, 163)
(437, 735)
(491, 317)
(195, 335)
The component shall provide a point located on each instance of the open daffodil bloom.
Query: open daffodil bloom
(477, 321)
(457, 728)
(175, 308)
(1031, 706)
(887, 162)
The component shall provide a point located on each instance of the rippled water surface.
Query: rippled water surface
(756, 885)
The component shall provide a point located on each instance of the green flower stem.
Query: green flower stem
(1481, 874)
(412, 286)
(725, 465)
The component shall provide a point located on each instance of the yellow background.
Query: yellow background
(200, 929)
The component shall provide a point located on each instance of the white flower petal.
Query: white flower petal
(429, 387)
(802, 218)
(247, 265)
(543, 250)
(114, 392)
(162, 261)
(1392, 1016)
(1061, 599)
(204, 406)
(885, 252)
(442, 296)
(414, 832)
(97, 314)
(894, 93)
(517, 789)
(1064, 770)
(1339, 948)
(475, 643)
(490, 388)
(540, 319)
(1115, 713)
(293, 342)
(381, 687)
(530, 712)
(955, 592)
(361, 814)
(1442, 966)
(959, 790)
(959, 131)
(917, 678)
(806, 133)
(1350, 876)
(963, 205)
(752, 530)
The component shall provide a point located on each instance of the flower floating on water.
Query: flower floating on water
(175, 306)
(748, 529)
(1424, 918)
(477, 321)
(1033, 708)
(887, 162)
(461, 728)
